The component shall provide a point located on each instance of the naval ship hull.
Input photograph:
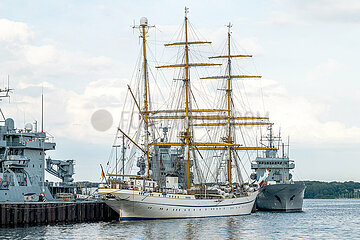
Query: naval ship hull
(136, 205)
(281, 197)
(16, 193)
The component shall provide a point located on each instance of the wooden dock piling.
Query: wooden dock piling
(18, 214)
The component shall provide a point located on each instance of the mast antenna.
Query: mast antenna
(4, 93)
(42, 109)
(229, 26)
(186, 11)
(8, 85)
(288, 150)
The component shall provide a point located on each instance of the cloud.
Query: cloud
(303, 11)
(284, 18)
(48, 58)
(23, 85)
(332, 10)
(302, 118)
(103, 10)
(39, 55)
(79, 107)
(67, 113)
(325, 70)
(11, 31)
(57, 70)
(33, 64)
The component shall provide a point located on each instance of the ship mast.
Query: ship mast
(146, 120)
(190, 115)
(228, 93)
(229, 138)
(187, 122)
(187, 134)
(143, 28)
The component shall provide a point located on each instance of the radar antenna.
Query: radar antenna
(4, 93)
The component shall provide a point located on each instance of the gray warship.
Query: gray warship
(23, 163)
(166, 164)
(278, 191)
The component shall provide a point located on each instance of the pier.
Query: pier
(19, 214)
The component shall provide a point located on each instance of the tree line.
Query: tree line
(330, 190)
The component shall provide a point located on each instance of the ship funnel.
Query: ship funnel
(143, 21)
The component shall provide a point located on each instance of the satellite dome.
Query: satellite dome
(143, 21)
(28, 127)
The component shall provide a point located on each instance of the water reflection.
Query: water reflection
(191, 229)
(322, 219)
(148, 232)
(230, 228)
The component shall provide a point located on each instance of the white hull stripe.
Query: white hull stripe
(196, 206)
(166, 218)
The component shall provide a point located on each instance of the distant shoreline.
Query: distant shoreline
(331, 190)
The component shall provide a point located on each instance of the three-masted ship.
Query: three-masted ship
(181, 175)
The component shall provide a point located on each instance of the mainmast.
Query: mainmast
(187, 118)
(187, 121)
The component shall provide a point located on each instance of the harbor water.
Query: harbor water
(321, 219)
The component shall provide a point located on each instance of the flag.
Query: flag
(102, 172)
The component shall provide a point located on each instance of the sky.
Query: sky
(83, 53)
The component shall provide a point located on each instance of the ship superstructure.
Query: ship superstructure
(166, 161)
(278, 191)
(175, 179)
(23, 163)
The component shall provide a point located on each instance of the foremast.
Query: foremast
(143, 28)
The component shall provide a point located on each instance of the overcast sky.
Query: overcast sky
(83, 54)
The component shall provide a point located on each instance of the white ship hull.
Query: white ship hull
(132, 205)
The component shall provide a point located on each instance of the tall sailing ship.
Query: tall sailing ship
(187, 156)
